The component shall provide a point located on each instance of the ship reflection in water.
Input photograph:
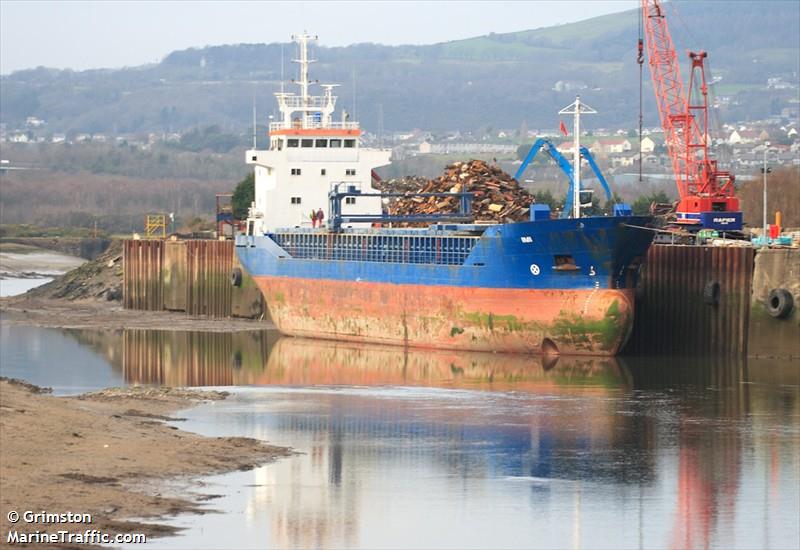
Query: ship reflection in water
(420, 448)
(266, 358)
(550, 452)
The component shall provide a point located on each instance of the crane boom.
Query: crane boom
(706, 193)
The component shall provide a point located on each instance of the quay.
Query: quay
(691, 300)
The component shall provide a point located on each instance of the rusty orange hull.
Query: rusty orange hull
(568, 321)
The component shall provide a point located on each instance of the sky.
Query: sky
(110, 34)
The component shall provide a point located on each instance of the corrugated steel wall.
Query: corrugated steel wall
(671, 313)
(191, 276)
(209, 265)
(178, 358)
(142, 286)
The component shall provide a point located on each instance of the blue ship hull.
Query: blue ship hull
(561, 285)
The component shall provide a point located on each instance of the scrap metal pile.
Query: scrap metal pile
(497, 196)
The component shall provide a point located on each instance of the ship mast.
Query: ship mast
(576, 108)
(304, 61)
(315, 111)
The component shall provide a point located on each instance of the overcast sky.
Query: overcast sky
(84, 35)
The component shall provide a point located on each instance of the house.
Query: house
(746, 136)
(623, 159)
(566, 147)
(648, 144)
(611, 146)
(425, 148)
(569, 85)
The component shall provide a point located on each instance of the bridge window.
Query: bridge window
(296, 200)
(293, 143)
(322, 172)
(307, 143)
(350, 172)
(349, 143)
(295, 171)
(349, 200)
(335, 143)
(321, 143)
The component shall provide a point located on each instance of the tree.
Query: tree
(546, 197)
(243, 196)
(642, 204)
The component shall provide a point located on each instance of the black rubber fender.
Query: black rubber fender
(711, 293)
(236, 276)
(780, 303)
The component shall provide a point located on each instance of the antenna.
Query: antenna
(354, 91)
(304, 61)
(380, 124)
(255, 144)
(283, 78)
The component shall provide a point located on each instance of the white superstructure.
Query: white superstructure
(308, 153)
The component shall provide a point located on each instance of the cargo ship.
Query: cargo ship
(553, 286)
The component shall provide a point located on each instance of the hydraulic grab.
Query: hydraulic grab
(566, 167)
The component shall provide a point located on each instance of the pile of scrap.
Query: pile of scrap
(407, 184)
(497, 197)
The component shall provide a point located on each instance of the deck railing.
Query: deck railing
(413, 249)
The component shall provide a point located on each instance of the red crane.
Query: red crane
(706, 193)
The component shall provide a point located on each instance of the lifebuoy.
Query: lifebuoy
(236, 276)
(780, 303)
(711, 293)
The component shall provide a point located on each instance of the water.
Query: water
(443, 449)
(12, 286)
(23, 271)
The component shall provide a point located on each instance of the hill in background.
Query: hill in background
(496, 80)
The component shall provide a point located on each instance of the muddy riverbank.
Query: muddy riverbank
(110, 454)
(93, 314)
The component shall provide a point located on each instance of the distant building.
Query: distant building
(466, 148)
(611, 146)
(569, 86)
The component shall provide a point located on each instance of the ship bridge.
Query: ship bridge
(310, 151)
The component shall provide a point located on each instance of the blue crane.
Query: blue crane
(566, 167)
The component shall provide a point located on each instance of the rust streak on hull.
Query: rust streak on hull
(580, 322)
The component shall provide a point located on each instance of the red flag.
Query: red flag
(563, 128)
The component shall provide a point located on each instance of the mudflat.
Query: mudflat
(109, 454)
(95, 314)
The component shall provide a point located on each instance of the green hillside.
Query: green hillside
(496, 80)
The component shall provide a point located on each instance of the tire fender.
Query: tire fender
(236, 276)
(780, 303)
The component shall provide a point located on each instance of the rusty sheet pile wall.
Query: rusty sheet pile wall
(142, 286)
(179, 358)
(693, 300)
(209, 266)
(192, 276)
